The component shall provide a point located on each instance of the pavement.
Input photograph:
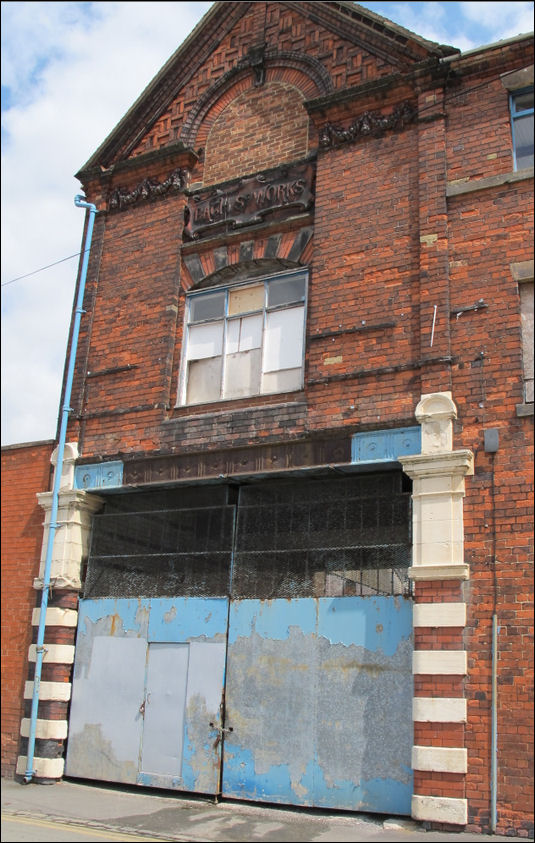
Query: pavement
(162, 815)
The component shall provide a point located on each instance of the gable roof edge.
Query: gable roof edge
(138, 109)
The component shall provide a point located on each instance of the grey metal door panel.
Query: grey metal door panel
(202, 741)
(147, 692)
(105, 721)
(319, 695)
(165, 699)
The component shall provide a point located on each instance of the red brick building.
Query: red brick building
(302, 428)
(25, 470)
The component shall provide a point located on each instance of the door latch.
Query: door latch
(142, 708)
(221, 729)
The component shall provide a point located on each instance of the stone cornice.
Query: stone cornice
(450, 462)
(176, 154)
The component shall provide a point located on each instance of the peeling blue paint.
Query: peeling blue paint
(195, 617)
(171, 620)
(127, 611)
(341, 620)
(269, 618)
(323, 664)
(355, 620)
(319, 695)
(242, 780)
(154, 780)
(188, 752)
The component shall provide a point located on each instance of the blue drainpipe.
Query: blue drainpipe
(80, 202)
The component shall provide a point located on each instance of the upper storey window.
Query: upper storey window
(245, 340)
(522, 126)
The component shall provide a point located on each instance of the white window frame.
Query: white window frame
(516, 115)
(525, 289)
(227, 319)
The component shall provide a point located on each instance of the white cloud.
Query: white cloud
(465, 25)
(500, 19)
(73, 70)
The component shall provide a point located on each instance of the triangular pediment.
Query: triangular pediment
(343, 43)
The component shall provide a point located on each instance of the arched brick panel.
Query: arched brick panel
(260, 128)
(304, 72)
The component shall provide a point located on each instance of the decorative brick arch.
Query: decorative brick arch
(303, 72)
(247, 259)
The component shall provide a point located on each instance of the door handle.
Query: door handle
(142, 708)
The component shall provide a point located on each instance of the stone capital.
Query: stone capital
(71, 540)
(435, 412)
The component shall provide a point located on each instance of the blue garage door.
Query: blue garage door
(260, 648)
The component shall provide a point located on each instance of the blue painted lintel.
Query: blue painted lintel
(98, 475)
(385, 445)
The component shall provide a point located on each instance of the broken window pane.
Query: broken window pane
(245, 340)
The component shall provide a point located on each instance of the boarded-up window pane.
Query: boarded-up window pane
(242, 373)
(245, 299)
(524, 141)
(226, 326)
(244, 334)
(204, 380)
(283, 347)
(285, 381)
(205, 341)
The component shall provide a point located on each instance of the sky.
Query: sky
(70, 71)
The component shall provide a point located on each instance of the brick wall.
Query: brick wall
(25, 471)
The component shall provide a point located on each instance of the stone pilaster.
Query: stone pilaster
(71, 546)
(439, 757)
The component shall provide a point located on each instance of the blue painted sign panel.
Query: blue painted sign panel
(385, 445)
(98, 475)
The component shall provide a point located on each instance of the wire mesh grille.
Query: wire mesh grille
(348, 536)
(161, 553)
(320, 538)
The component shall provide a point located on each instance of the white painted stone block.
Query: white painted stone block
(54, 653)
(439, 759)
(439, 710)
(45, 729)
(438, 662)
(439, 572)
(439, 614)
(440, 809)
(44, 768)
(59, 691)
(56, 617)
